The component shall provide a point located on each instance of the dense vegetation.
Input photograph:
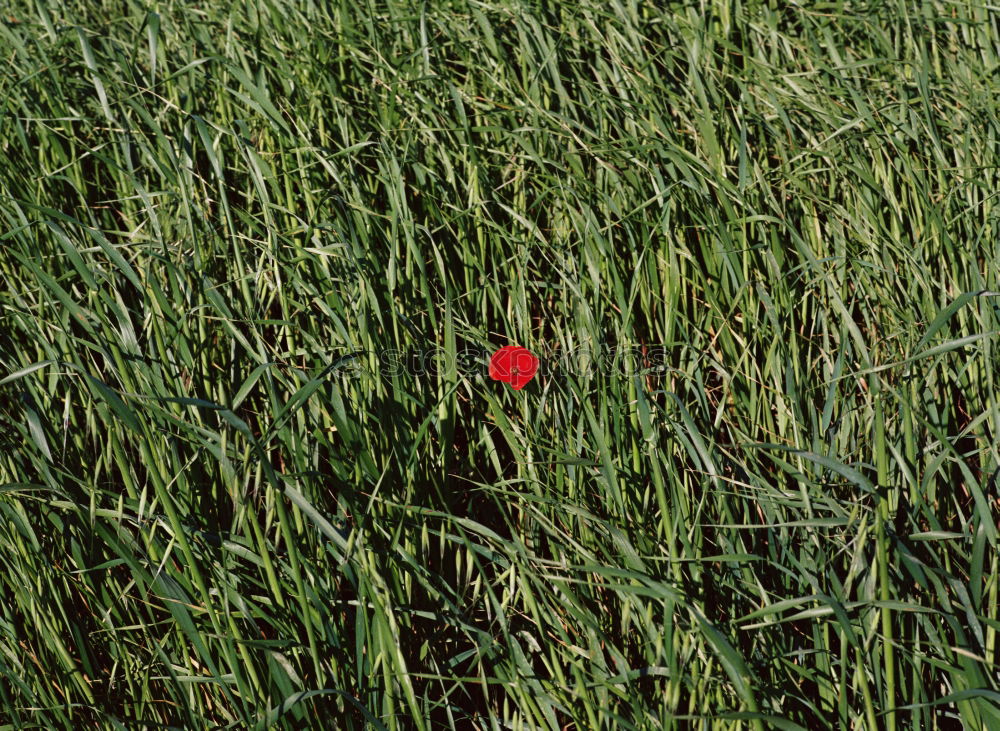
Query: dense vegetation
(253, 257)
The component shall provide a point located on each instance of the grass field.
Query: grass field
(254, 257)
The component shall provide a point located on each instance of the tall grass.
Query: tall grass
(221, 509)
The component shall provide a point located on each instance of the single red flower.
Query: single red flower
(514, 365)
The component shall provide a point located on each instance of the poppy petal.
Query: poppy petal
(514, 365)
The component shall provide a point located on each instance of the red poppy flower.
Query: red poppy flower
(514, 365)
